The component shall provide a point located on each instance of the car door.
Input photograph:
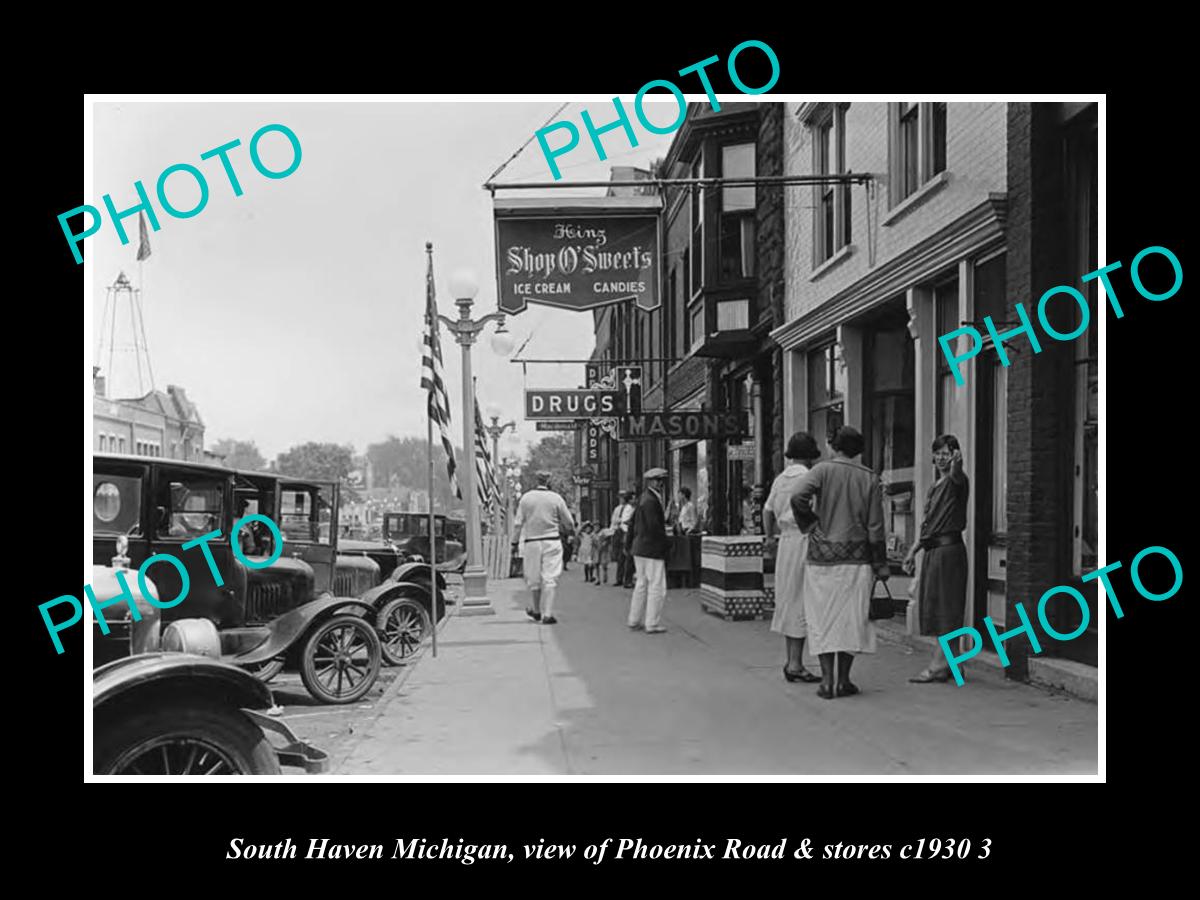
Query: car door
(186, 503)
(308, 520)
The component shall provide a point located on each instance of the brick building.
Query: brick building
(708, 346)
(161, 423)
(973, 207)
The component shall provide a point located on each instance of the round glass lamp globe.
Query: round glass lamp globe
(502, 341)
(464, 285)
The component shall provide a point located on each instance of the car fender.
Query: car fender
(413, 570)
(287, 630)
(388, 591)
(177, 674)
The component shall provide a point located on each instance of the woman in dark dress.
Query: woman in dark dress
(942, 583)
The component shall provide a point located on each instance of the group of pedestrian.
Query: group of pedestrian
(825, 527)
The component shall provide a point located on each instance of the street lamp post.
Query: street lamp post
(495, 430)
(463, 286)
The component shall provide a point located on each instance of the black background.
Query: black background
(180, 830)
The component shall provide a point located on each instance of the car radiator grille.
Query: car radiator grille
(267, 601)
(343, 585)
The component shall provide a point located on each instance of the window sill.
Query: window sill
(927, 190)
(833, 261)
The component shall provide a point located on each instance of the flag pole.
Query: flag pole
(433, 588)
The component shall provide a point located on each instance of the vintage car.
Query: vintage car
(408, 532)
(263, 615)
(306, 511)
(157, 711)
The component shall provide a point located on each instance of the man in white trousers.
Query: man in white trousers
(648, 545)
(542, 520)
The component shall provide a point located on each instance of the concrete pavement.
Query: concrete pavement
(589, 697)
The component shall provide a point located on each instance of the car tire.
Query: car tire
(403, 624)
(195, 738)
(324, 671)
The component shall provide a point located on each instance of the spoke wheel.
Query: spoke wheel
(341, 659)
(200, 738)
(403, 626)
(265, 671)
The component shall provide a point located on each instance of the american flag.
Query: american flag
(485, 472)
(143, 238)
(432, 379)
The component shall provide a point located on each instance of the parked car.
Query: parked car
(397, 594)
(409, 533)
(265, 617)
(158, 712)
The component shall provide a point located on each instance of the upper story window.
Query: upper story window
(737, 213)
(831, 209)
(696, 248)
(917, 150)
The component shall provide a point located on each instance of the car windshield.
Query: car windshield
(116, 504)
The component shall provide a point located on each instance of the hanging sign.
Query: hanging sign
(582, 254)
(683, 424)
(563, 404)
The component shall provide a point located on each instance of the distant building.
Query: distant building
(161, 423)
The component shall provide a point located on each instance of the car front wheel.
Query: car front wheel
(402, 624)
(200, 738)
(341, 659)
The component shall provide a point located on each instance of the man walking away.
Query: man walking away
(541, 521)
(648, 546)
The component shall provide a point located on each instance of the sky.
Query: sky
(293, 313)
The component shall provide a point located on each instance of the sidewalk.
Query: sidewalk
(587, 696)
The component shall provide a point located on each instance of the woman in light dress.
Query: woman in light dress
(840, 504)
(789, 549)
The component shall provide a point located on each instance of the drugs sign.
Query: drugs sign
(567, 404)
(580, 256)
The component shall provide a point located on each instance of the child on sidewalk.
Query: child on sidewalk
(604, 539)
(587, 551)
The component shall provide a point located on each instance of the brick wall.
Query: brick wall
(1040, 427)
(975, 166)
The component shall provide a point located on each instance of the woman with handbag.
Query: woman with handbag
(788, 550)
(840, 504)
(942, 584)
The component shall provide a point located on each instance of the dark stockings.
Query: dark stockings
(795, 655)
(844, 661)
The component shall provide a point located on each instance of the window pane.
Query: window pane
(748, 246)
(116, 504)
(946, 300)
(844, 237)
(818, 385)
(733, 315)
(734, 254)
(737, 161)
(938, 151)
(697, 324)
(192, 506)
(909, 137)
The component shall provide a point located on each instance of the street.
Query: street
(587, 696)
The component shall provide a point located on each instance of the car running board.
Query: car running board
(296, 752)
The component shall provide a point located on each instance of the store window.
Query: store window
(891, 425)
(737, 213)
(826, 403)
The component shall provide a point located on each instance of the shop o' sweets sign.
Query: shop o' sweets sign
(579, 255)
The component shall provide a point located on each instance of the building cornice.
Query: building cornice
(975, 231)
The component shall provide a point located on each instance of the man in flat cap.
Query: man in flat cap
(541, 521)
(648, 546)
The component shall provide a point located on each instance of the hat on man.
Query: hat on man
(653, 474)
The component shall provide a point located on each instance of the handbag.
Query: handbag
(881, 607)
